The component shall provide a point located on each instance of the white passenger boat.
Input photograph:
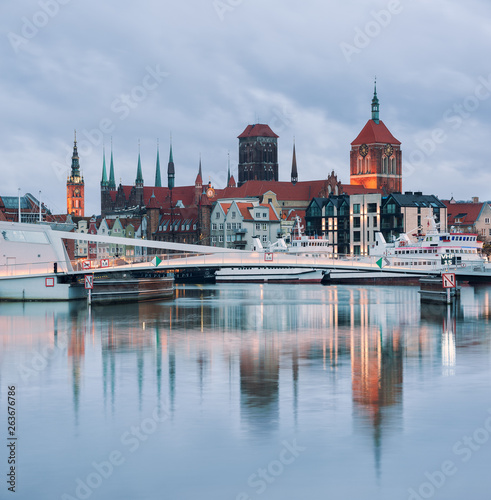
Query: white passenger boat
(434, 250)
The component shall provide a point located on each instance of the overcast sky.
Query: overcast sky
(203, 70)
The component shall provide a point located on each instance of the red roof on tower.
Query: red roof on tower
(375, 133)
(257, 130)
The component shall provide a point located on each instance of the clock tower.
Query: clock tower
(75, 196)
(376, 156)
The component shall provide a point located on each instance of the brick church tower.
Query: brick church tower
(258, 154)
(376, 156)
(75, 197)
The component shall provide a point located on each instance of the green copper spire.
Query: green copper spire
(158, 180)
(104, 174)
(112, 182)
(375, 104)
(139, 175)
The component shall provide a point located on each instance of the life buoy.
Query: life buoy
(402, 244)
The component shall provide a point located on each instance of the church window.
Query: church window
(385, 166)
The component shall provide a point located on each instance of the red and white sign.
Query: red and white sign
(448, 280)
(104, 262)
(268, 257)
(86, 264)
(49, 282)
(89, 281)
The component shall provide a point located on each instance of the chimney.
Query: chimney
(475, 199)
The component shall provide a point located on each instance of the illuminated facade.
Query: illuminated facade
(75, 196)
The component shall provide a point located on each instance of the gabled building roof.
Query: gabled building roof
(462, 213)
(375, 133)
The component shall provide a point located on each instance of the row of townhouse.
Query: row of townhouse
(351, 221)
(234, 223)
(108, 226)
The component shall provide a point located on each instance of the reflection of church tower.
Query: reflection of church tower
(258, 154)
(376, 157)
(75, 196)
(259, 384)
(377, 376)
(76, 353)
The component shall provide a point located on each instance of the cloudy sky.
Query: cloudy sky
(203, 70)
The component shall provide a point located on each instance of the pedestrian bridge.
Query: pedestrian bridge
(29, 249)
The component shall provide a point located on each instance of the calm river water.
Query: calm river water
(239, 392)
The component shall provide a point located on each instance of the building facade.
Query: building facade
(75, 195)
(258, 154)
(376, 156)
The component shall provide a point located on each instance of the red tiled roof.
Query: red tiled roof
(375, 133)
(257, 130)
(272, 213)
(467, 213)
(286, 191)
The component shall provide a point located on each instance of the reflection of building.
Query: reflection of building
(377, 376)
(259, 383)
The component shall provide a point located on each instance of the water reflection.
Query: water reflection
(261, 353)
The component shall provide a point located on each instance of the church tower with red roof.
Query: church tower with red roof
(258, 154)
(376, 156)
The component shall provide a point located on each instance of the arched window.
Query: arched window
(385, 165)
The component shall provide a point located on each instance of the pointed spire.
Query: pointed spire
(170, 168)
(199, 178)
(104, 173)
(112, 181)
(139, 175)
(75, 159)
(375, 104)
(158, 180)
(294, 166)
(228, 174)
